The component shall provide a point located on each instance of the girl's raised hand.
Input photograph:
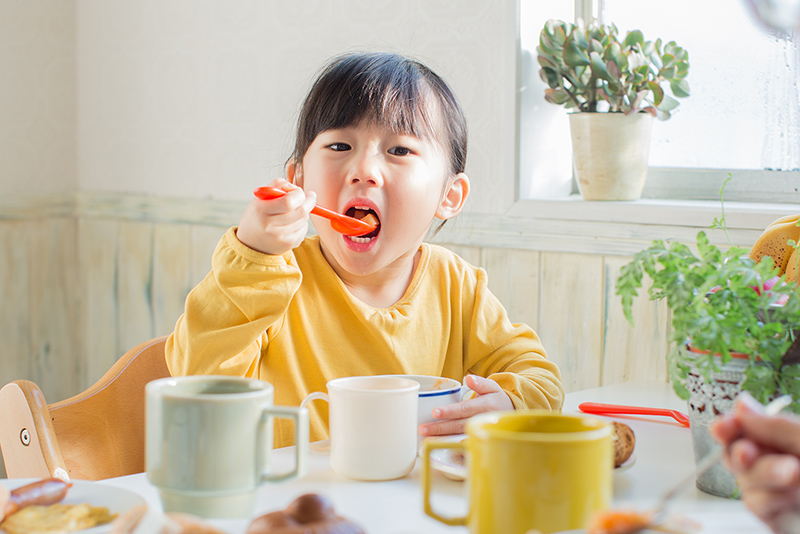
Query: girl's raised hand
(277, 226)
(490, 397)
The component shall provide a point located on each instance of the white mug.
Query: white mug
(209, 441)
(373, 422)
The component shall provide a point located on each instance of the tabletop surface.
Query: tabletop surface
(663, 456)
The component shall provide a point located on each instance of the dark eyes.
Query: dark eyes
(395, 151)
(399, 151)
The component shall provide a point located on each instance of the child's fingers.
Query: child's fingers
(461, 410)
(482, 386)
(443, 428)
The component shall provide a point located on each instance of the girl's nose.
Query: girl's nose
(367, 169)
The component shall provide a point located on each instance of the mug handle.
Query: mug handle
(427, 481)
(317, 395)
(300, 418)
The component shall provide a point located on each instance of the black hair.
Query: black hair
(388, 89)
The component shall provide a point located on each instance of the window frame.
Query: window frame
(692, 183)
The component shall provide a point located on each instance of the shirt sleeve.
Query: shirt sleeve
(510, 354)
(227, 315)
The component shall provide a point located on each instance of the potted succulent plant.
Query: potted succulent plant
(732, 321)
(615, 87)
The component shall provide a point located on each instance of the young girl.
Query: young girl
(378, 134)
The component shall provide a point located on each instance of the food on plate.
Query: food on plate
(36, 508)
(55, 518)
(4, 496)
(624, 442)
(178, 523)
(42, 492)
(632, 521)
(618, 522)
(308, 514)
(127, 522)
(133, 522)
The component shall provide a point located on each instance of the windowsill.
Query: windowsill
(667, 212)
(617, 228)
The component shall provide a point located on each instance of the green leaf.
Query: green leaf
(668, 104)
(574, 56)
(761, 381)
(615, 73)
(612, 51)
(668, 72)
(634, 37)
(579, 37)
(556, 96)
(658, 92)
(599, 68)
(595, 46)
(668, 61)
(559, 35)
(680, 88)
(550, 77)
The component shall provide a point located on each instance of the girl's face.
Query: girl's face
(404, 181)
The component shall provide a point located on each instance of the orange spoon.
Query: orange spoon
(611, 409)
(341, 223)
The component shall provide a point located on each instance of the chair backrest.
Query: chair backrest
(97, 434)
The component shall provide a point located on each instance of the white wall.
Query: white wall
(37, 97)
(199, 98)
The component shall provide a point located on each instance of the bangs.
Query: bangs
(376, 88)
(387, 90)
(391, 97)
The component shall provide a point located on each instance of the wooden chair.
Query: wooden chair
(96, 434)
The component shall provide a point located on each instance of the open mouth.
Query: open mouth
(368, 216)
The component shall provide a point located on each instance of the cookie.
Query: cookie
(624, 442)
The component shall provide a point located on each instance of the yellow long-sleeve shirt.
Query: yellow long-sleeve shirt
(290, 320)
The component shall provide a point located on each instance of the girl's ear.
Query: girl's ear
(293, 173)
(454, 197)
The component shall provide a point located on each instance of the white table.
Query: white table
(663, 456)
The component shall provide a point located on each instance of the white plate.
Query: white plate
(117, 500)
(447, 462)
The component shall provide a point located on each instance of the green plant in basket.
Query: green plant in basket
(722, 302)
(587, 64)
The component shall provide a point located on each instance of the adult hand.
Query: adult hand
(489, 397)
(277, 226)
(763, 452)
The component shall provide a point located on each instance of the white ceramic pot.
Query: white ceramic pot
(610, 153)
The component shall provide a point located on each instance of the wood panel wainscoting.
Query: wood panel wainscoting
(84, 278)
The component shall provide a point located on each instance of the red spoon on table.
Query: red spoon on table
(616, 409)
(341, 223)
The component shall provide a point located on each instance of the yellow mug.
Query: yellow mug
(530, 469)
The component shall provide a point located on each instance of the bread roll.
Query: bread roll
(308, 514)
(624, 442)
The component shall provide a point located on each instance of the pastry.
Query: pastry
(307, 514)
(624, 441)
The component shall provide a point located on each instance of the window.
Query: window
(743, 116)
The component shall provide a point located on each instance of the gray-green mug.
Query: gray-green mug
(209, 439)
